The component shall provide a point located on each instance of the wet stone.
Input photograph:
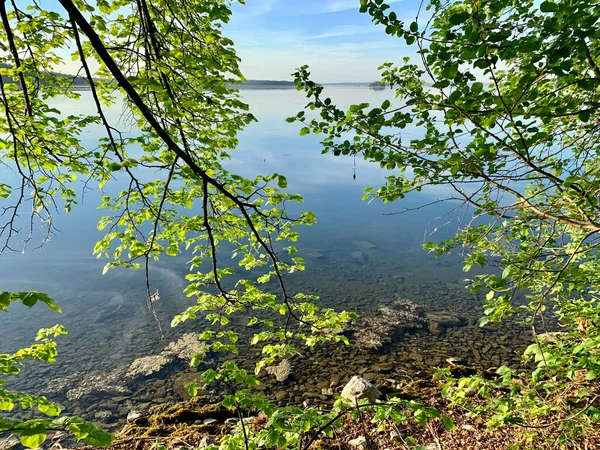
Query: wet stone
(10, 443)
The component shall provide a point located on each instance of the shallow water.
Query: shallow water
(357, 258)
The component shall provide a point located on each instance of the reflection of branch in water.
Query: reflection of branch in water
(416, 208)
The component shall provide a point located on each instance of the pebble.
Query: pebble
(100, 415)
(396, 436)
(133, 415)
(359, 443)
(210, 421)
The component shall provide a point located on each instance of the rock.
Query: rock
(181, 379)
(454, 361)
(282, 371)
(335, 379)
(372, 332)
(10, 443)
(322, 384)
(327, 391)
(185, 347)
(210, 421)
(147, 365)
(232, 421)
(440, 321)
(358, 443)
(469, 428)
(358, 388)
(358, 256)
(369, 376)
(396, 436)
(133, 415)
(102, 415)
(312, 253)
(207, 441)
(383, 367)
(364, 245)
(81, 384)
(280, 395)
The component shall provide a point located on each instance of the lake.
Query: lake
(358, 257)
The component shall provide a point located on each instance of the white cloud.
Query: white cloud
(345, 30)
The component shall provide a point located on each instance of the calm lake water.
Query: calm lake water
(357, 258)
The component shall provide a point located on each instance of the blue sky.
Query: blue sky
(273, 37)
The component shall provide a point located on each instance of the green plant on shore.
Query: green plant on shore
(32, 432)
(505, 98)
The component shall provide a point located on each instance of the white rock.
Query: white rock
(396, 436)
(133, 415)
(358, 388)
(469, 428)
(210, 421)
(360, 442)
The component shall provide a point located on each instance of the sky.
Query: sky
(273, 37)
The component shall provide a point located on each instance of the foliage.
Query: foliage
(504, 97)
(169, 65)
(32, 433)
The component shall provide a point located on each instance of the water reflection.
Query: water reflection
(357, 256)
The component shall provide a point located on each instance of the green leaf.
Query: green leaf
(547, 6)
(459, 18)
(32, 437)
(448, 423)
(584, 116)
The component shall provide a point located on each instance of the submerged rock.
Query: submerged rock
(118, 381)
(79, 384)
(372, 332)
(185, 347)
(440, 321)
(358, 388)
(147, 365)
(282, 371)
(179, 381)
(364, 245)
